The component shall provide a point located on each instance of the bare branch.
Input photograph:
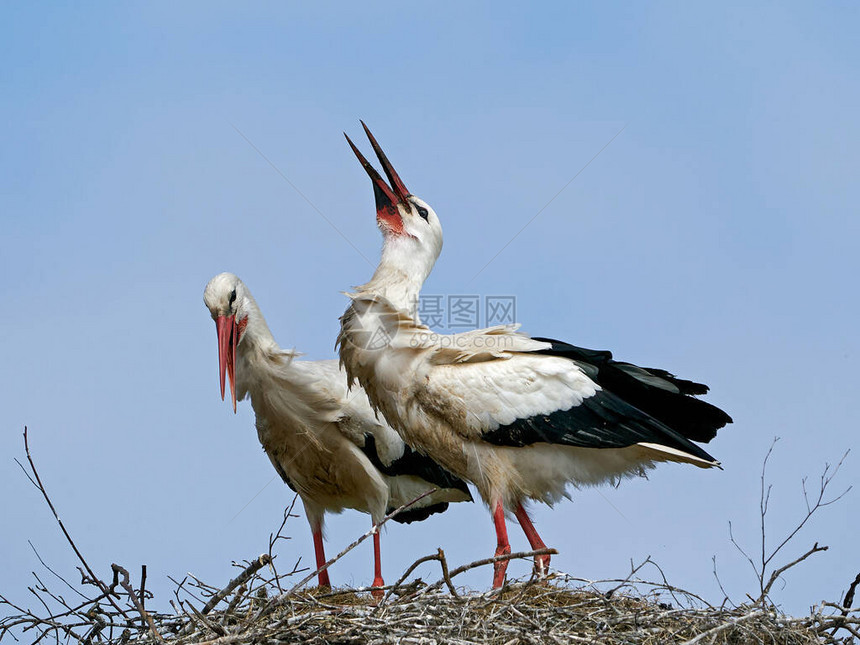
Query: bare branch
(38, 483)
(241, 579)
(767, 577)
(143, 586)
(273, 538)
(484, 562)
(778, 572)
(764, 500)
(744, 553)
(138, 605)
(720, 583)
(819, 502)
(849, 595)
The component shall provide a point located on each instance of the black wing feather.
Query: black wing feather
(600, 421)
(418, 465)
(635, 405)
(655, 392)
(409, 515)
(283, 475)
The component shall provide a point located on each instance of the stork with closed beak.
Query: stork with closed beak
(324, 441)
(519, 417)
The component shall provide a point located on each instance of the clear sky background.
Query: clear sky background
(717, 236)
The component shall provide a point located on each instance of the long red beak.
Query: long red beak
(393, 178)
(228, 338)
(387, 198)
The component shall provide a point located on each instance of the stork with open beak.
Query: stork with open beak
(323, 440)
(519, 417)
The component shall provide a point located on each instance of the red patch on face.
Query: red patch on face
(389, 220)
(241, 329)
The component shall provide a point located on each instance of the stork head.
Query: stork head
(411, 230)
(225, 297)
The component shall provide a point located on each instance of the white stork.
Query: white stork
(519, 417)
(324, 441)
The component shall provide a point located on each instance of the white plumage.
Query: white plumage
(519, 417)
(325, 441)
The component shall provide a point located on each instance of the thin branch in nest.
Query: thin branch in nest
(440, 556)
(741, 550)
(849, 595)
(37, 482)
(480, 563)
(215, 627)
(764, 499)
(726, 598)
(501, 558)
(32, 621)
(762, 569)
(273, 538)
(137, 603)
(778, 572)
(633, 571)
(180, 586)
(241, 579)
(234, 602)
(819, 502)
(57, 575)
(666, 586)
(142, 589)
(446, 576)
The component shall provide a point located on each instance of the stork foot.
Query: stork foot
(500, 568)
(377, 590)
(541, 569)
(323, 581)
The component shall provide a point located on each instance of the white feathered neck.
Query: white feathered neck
(405, 264)
(277, 384)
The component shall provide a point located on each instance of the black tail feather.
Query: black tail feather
(654, 391)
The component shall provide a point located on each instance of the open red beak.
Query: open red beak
(228, 338)
(387, 197)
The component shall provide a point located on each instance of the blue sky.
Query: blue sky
(716, 236)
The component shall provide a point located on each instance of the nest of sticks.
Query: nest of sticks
(262, 605)
(530, 612)
(256, 608)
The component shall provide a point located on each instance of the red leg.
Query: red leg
(319, 551)
(503, 547)
(377, 568)
(541, 561)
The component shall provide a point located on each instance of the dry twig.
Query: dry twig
(762, 569)
(137, 603)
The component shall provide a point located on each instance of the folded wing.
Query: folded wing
(561, 394)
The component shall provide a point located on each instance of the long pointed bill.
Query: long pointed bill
(386, 201)
(227, 340)
(393, 178)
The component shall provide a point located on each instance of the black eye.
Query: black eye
(423, 212)
(232, 297)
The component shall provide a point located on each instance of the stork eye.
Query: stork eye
(423, 212)
(232, 297)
